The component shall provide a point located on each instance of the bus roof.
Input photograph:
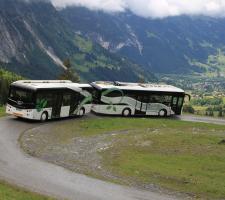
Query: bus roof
(49, 84)
(136, 86)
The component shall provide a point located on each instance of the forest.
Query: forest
(6, 78)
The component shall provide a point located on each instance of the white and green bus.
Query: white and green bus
(130, 99)
(43, 100)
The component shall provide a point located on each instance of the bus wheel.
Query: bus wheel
(44, 116)
(82, 112)
(163, 113)
(126, 112)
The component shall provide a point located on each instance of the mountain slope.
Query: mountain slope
(172, 45)
(35, 40)
(22, 49)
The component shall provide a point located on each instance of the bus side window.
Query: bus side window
(66, 100)
(145, 99)
(166, 100)
(174, 100)
(153, 99)
(132, 96)
(96, 96)
(44, 95)
(39, 97)
(139, 98)
(114, 94)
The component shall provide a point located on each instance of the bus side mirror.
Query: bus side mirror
(189, 96)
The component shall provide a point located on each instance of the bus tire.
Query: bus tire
(163, 113)
(126, 112)
(44, 117)
(82, 112)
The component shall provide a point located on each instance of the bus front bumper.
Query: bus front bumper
(24, 113)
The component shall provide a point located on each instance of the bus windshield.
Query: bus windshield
(20, 95)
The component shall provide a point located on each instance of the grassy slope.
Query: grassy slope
(9, 192)
(177, 155)
(187, 159)
(2, 111)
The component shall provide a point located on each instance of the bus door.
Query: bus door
(74, 103)
(65, 108)
(56, 106)
(141, 105)
(180, 103)
(145, 102)
(174, 104)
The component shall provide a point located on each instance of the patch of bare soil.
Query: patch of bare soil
(79, 154)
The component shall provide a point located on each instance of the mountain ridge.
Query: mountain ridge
(35, 39)
(170, 45)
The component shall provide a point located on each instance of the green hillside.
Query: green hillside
(173, 45)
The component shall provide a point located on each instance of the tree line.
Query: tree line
(6, 78)
(213, 107)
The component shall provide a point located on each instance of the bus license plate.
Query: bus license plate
(18, 114)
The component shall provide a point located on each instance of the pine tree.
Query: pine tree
(141, 79)
(69, 73)
(6, 78)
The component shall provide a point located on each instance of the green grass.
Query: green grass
(187, 163)
(10, 192)
(176, 155)
(2, 111)
(180, 156)
(84, 45)
(200, 108)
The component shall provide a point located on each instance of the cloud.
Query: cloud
(152, 8)
(105, 5)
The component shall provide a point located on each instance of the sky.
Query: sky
(152, 8)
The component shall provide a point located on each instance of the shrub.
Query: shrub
(188, 109)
